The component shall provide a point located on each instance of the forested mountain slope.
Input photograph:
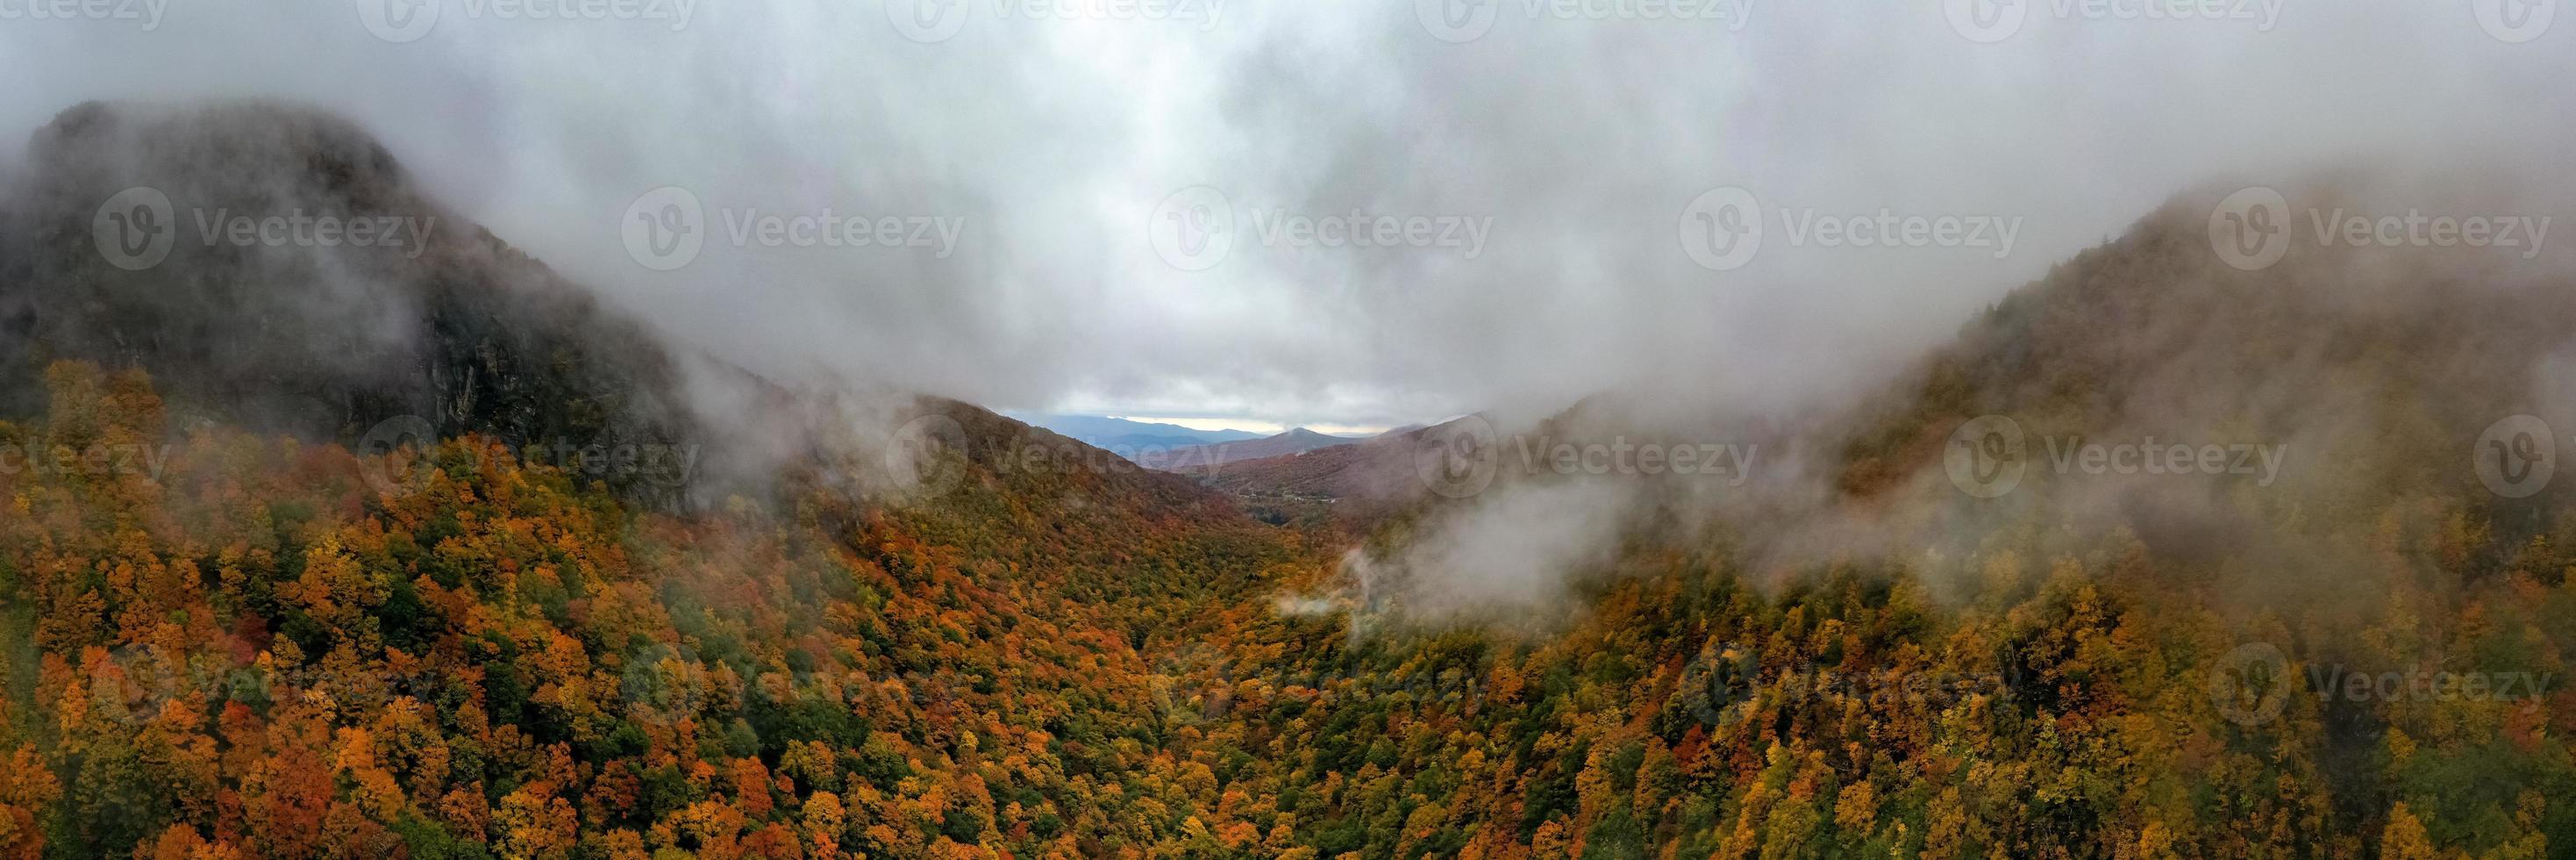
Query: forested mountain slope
(1911, 634)
(256, 647)
(2359, 650)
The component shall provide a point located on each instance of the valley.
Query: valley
(895, 624)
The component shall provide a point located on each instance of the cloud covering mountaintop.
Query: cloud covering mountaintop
(1424, 209)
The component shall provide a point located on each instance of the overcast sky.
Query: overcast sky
(1147, 208)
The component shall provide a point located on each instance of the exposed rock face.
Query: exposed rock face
(266, 307)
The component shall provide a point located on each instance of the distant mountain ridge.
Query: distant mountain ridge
(1172, 447)
(1297, 440)
(1356, 483)
(1122, 436)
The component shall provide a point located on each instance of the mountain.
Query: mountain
(224, 634)
(1351, 485)
(1296, 440)
(2312, 597)
(1133, 439)
(410, 672)
(433, 323)
(2155, 527)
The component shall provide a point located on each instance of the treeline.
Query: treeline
(262, 649)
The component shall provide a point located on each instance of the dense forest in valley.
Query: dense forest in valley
(231, 644)
(1306, 430)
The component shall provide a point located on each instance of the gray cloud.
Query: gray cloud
(1051, 139)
